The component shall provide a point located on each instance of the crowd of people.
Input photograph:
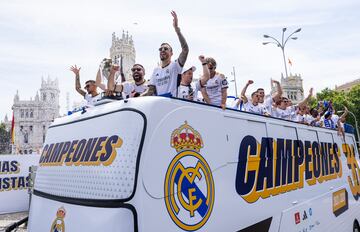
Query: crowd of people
(174, 79)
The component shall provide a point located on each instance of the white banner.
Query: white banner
(14, 172)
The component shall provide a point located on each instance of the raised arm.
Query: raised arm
(98, 81)
(184, 46)
(343, 116)
(76, 71)
(206, 73)
(111, 82)
(243, 96)
(123, 79)
(307, 98)
(279, 91)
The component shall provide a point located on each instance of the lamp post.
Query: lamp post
(356, 126)
(282, 44)
(234, 80)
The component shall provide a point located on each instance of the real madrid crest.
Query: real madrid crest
(189, 185)
(58, 224)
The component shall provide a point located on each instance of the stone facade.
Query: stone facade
(292, 87)
(33, 117)
(124, 47)
(347, 86)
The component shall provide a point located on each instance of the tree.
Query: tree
(354, 97)
(340, 99)
(4, 140)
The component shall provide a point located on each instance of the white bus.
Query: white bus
(161, 164)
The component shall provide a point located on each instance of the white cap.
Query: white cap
(187, 68)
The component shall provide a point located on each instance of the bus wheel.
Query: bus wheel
(356, 226)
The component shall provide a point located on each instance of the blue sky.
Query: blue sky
(41, 38)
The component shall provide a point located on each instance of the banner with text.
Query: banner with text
(14, 182)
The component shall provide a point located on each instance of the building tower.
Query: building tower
(33, 117)
(124, 47)
(293, 87)
(49, 93)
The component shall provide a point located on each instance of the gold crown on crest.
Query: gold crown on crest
(61, 212)
(186, 138)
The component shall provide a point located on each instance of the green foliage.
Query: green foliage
(4, 140)
(340, 99)
(312, 102)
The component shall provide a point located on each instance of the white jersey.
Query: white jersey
(132, 87)
(287, 114)
(92, 100)
(309, 119)
(165, 79)
(256, 109)
(213, 89)
(268, 104)
(300, 118)
(335, 118)
(187, 92)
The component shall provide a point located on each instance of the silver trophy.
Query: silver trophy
(105, 67)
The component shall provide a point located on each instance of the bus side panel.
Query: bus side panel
(314, 210)
(78, 217)
(164, 162)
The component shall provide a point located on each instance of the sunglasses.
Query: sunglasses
(164, 49)
(136, 69)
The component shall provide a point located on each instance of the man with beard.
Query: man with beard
(129, 89)
(164, 79)
(91, 95)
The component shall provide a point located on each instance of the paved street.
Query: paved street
(8, 219)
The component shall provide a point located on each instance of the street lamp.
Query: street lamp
(282, 44)
(234, 80)
(356, 126)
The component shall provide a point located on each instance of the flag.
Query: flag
(13, 129)
(289, 61)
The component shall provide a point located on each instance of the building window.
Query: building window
(21, 128)
(25, 152)
(21, 113)
(31, 113)
(43, 138)
(31, 128)
(26, 114)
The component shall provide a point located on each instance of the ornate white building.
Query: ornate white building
(33, 117)
(124, 47)
(292, 87)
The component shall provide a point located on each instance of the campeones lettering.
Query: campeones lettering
(86, 152)
(278, 166)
